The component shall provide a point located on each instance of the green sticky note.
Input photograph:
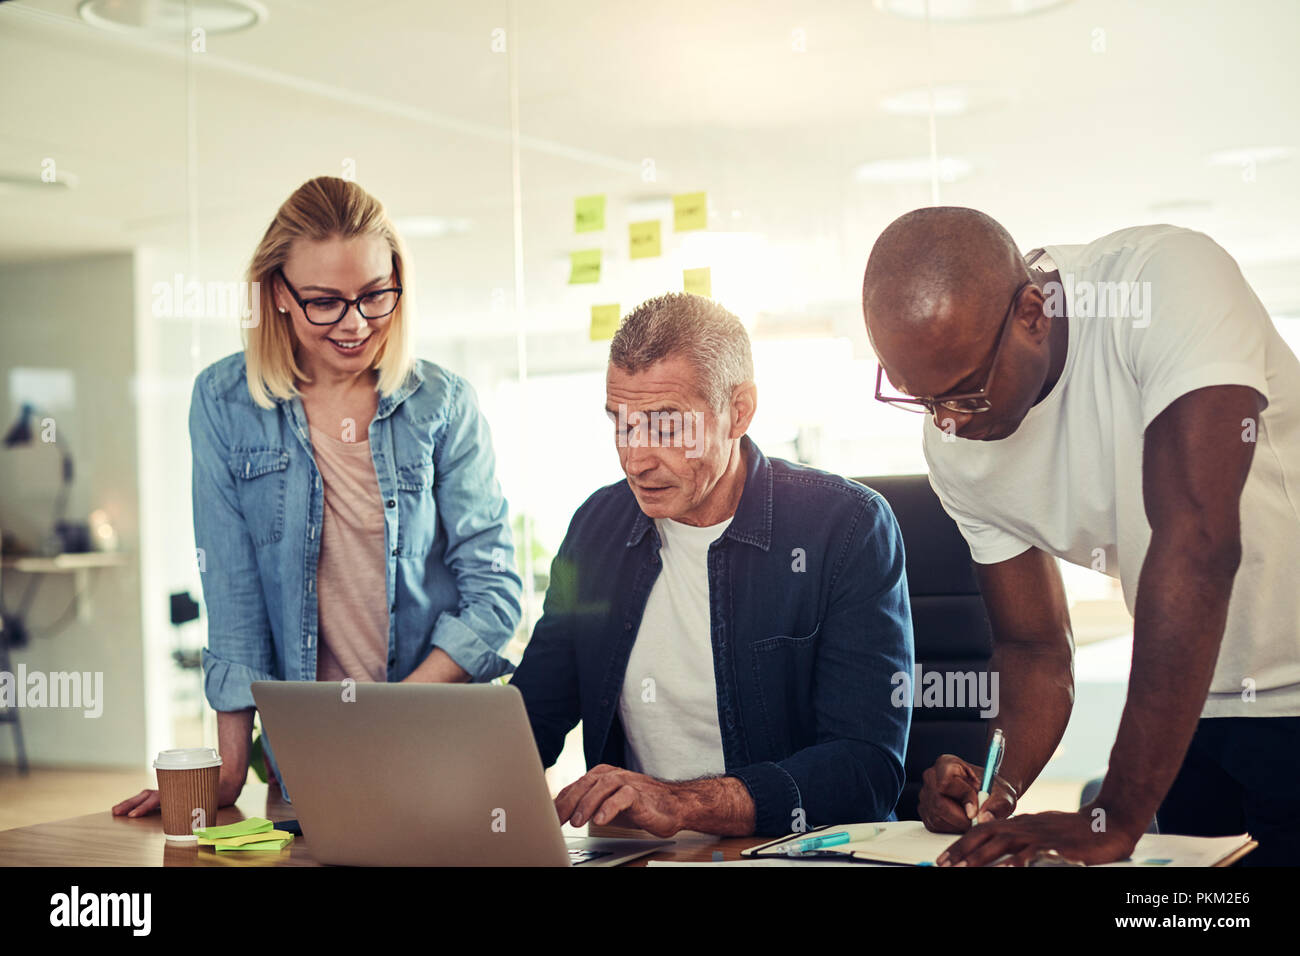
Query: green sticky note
(604, 322)
(251, 825)
(698, 281)
(643, 239)
(230, 841)
(584, 266)
(589, 214)
(690, 211)
(264, 845)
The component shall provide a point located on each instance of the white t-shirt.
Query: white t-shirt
(1069, 481)
(669, 701)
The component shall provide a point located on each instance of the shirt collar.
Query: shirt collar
(752, 522)
(387, 403)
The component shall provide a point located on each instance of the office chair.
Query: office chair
(1090, 791)
(950, 628)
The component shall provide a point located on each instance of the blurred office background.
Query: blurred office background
(145, 144)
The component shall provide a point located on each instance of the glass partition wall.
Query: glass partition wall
(552, 165)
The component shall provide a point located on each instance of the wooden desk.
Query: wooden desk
(101, 839)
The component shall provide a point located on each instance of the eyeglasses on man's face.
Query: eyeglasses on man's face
(327, 310)
(966, 402)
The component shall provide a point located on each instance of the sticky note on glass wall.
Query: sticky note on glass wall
(643, 239)
(698, 281)
(604, 321)
(589, 214)
(690, 211)
(584, 266)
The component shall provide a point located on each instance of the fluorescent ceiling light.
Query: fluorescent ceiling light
(62, 180)
(948, 101)
(957, 10)
(170, 17)
(1258, 155)
(917, 170)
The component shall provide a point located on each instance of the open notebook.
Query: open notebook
(909, 843)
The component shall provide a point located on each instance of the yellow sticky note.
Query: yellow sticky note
(690, 211)
(604, 321)
(699, 281)
(589, 213)
(644, 239)
(584, 266)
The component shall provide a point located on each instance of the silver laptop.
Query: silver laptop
(421, 775)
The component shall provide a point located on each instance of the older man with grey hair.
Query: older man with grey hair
(726, 626)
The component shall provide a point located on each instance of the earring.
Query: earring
(284, 311)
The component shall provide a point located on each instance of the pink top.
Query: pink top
(352, 587)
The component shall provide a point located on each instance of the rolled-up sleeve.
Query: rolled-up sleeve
(854, 772)
(227, 684)
(480, 551)
(239, 647)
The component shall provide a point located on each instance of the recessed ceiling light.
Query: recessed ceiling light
(917, 170)
(964, 9)
(1258, 155)
(170, 17)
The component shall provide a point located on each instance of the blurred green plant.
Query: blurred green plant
(540, 553)
(257, 757)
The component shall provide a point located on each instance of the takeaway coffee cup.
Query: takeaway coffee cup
(187, 790)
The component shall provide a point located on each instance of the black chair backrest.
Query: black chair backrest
(950, 628)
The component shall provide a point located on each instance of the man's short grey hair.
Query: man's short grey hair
(709, 337)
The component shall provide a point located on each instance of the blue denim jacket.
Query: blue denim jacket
(258, 507)
(810, 621)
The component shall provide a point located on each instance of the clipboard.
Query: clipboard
(902, 843)
(908, 843)
(1236, 855)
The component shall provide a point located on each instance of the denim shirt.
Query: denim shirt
(810, 621)
(258, 509)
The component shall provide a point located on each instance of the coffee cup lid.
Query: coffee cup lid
(187, 758)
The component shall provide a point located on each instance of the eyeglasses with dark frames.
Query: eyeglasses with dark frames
(327, 310)
(967, 403)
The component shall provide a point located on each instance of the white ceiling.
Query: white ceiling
(1082, 142)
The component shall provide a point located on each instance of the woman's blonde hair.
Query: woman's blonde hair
(320, 209)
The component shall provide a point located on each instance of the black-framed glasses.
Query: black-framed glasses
(967, 403)
(327, 310)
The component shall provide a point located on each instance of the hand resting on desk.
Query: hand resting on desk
(146, 801)
(609, 795)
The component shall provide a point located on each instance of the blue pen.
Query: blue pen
(997, 747)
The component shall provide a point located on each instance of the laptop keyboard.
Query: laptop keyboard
(577, 856)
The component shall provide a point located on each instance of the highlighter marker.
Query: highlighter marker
(812, 844)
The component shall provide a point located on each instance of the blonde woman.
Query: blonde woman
(346, 508)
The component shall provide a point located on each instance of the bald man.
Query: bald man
(1126, 405)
